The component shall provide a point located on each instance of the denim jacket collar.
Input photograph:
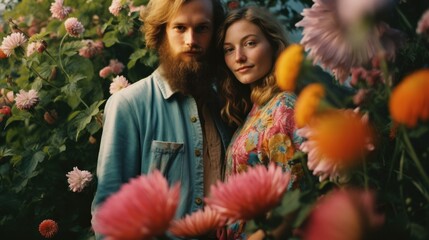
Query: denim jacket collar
(163, 85)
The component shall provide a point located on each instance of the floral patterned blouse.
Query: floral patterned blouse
(268, 135)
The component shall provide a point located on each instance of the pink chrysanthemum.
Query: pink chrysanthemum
(78, 179)
(197, 224)
(339, 45)
(423, 25)
(91, 48)
(141, 209)
(118, 83)
(235, 200)
(116, 66)
(115, 7)
(11, 42)
(343, 214)
(73, 27)
(331, 156)
(58, 10)
(105, 72)
(26, 100)
(48, 228)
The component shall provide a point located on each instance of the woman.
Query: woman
(252, 39)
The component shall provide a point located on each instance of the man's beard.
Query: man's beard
(187, 77)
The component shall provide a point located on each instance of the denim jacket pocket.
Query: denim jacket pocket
(167, 158)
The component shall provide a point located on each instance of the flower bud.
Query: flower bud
(41, 46)
(51, 117)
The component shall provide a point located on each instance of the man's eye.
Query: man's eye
(180, 28)
(202, 29)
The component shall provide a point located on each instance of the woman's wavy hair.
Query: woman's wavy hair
(157, 13)
(238, 97)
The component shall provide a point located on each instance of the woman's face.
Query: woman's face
(248, 53)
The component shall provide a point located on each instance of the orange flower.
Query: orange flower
(307, 103)
(48, 228)
(288, 66)
(2, 54)
(409, 101)
(341, 136)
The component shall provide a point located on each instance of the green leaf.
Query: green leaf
(110, 39)
(290, 202)
(136, 56)
(84, 118)
(71, 48)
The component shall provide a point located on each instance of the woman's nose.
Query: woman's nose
(240, 56)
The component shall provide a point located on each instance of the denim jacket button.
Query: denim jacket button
(197, 153)
(198, 201)
(193, 119)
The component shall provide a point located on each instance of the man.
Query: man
(169, 120)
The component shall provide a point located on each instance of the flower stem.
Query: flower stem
(59, 56)
(414, 157)
(43, 79)
(407, 23)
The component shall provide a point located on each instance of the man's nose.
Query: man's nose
(190, 39)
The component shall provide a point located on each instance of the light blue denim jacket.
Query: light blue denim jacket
(148, 126)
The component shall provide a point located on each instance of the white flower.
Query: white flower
(78, 179)
(118, 83)
(115, 7)
(31, 48)
(58, 10)
(11, 42)
(26, 100)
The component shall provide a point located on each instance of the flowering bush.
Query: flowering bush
(364, 113)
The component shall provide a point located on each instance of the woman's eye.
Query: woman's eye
(228, 50)
(250, 43)
(179, 28)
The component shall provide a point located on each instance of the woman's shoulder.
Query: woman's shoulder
(284, 98)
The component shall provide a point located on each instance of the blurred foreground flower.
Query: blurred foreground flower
(335, 38)
(343, 215)
(141, 209)
(78, 179)
(2, 54)
(58, 10)
(197, 224)
(118, 83)
(307, 103)
(336, 140)
(11, 42)
(409, 101)
(288, 66)
(26, 100)
(48, 228)
(235, 200)
(73, 27)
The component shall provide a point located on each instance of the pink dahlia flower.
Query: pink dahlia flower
(115, 7)
(58, 10)
(73, 27)
(48, 228)
(78, 179)
(423, 24)
(235, 200)
(105, 72)
(26, 100)
(338, 45)
(141, 209)
(91, 48)
(11, 42)
(197, 224)
(116, 66)
(118, 83)
(343, 214)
